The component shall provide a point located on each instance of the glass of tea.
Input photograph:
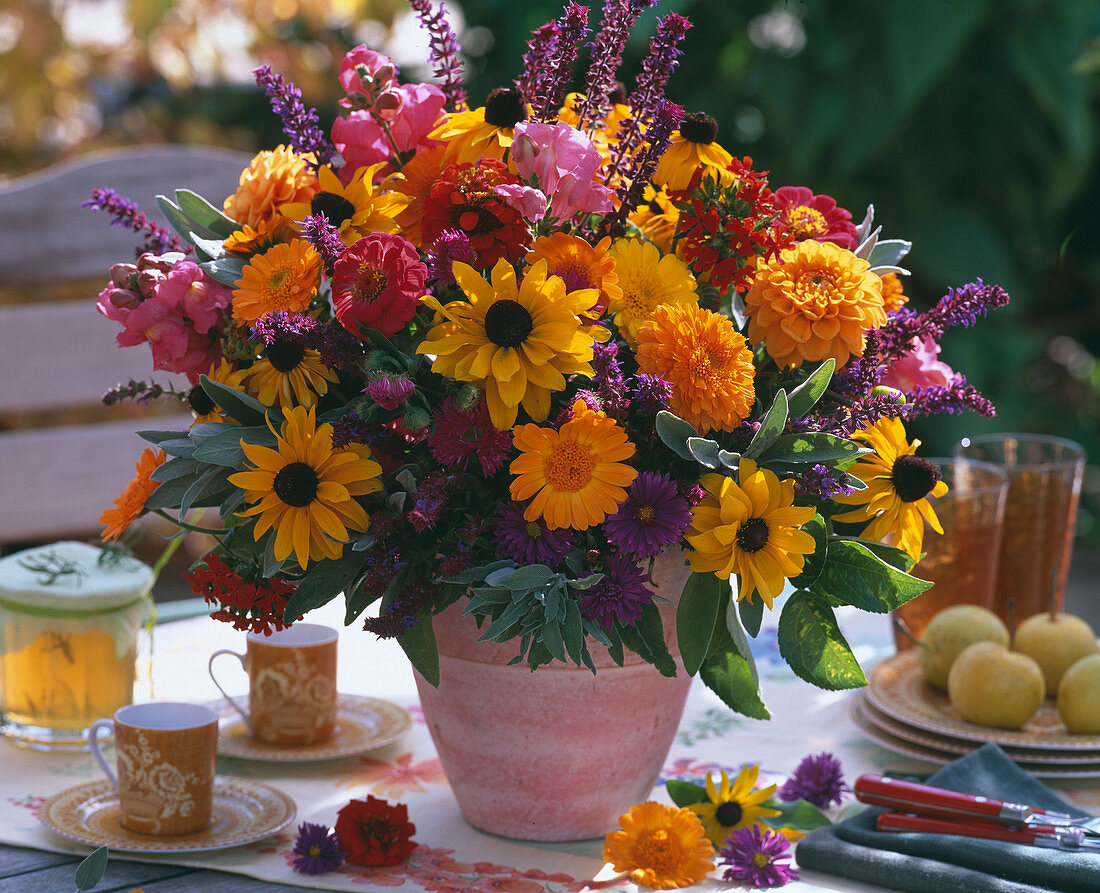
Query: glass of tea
(1044, 488)
(962, 562)
(71, 625)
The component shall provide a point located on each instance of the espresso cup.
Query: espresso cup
(165, 754)
(291, 684)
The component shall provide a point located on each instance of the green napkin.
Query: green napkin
(922, 863)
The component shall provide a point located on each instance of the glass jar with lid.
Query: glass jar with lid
(73, 620)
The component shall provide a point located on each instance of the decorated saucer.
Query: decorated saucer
(244, 811)
(362, 724)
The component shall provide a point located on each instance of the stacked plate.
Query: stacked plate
(900, 711)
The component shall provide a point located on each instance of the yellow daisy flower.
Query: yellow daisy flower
(517, 341)
(486, 132)
(305, 490)
(646, 280)
(749, 527)
(285, 277)
(898, 484)
(693, 146)
(289, 374)
(574, 477)
(707, 362)
(202, 406)
(815, 301)
(732, 806)
(660, 846)
(657, 218)
(356, 209)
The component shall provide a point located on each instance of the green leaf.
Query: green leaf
(205, 214)
(237, 405)
(771, 427)
(90, 871)
(887, 252)
(684, 793)
(737, 633)
(803, 398)
(182, 447)
(226, 270)
(704, 451)
(811, 642)
(168, 494)
(892, 555)
(798, 814)
(811, 570)
(526, 578)
(854, 575)
(420, 647)
(225, 449)
(730, 460)
(696, 618)
(553, 640)
(752, 614)
(180, 222)
(732, 677)
(175, 468)
(210, 481)
(647, 639)
(326, 579)
(811, 448)
(207, 249)
(159, 437)
(674, 433)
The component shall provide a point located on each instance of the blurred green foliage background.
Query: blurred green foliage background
(973, 126)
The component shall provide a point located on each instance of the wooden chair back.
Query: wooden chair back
(64, 456)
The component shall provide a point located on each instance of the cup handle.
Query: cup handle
(93, 745)
(225, 694)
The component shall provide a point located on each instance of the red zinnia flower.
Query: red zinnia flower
(809, 216)
(249, 605)
(463, 198)
(377, 283)
(372, 832)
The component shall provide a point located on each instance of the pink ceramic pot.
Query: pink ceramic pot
(555, 754)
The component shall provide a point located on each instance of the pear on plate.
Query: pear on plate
(950, 631)
(1079, 696)
(993, 686)
(1056, 641)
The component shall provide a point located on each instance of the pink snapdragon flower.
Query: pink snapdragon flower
(529, 202)
(564, 163)
(920, 368)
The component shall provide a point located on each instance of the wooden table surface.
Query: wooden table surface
(35, 871)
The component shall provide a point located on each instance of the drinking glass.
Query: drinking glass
(962, 563)
(1044, 487)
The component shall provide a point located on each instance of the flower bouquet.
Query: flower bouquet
(508, 354)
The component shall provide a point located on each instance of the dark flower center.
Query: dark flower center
(752, 536)
(913, 477)
(617, 96)
(505, 107)
(285, 355)
(728, 814)
(335, 207)
(507, 323)
(296, 484)
(699, 127)
(200, 401)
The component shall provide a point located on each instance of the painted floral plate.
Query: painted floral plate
(362, 724)
(244, 811)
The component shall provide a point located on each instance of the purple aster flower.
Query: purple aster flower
(653, 516)
(619, 596)
(450, 245)
(952, 398)
(349, 428)
(818, 779)
(431, 495)
(758, 857)
(157, 239)
(529, 542)
(316, 850)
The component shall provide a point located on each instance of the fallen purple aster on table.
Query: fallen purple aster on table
(818, 779)
(757, 857)
(317, 850)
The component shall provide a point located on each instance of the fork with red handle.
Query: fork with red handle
(919, 807)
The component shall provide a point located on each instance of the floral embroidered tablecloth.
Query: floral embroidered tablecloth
(451, 857)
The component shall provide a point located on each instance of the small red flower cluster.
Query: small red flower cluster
(723, 229)
(372, 832)
(249, 605)
(464, 198)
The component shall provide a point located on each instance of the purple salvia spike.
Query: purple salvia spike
(299, 123)
(157, 239)
(445, 53)
(959, 307)
(549, 92)
(537, 58)
(952, 398)
(325, 238)
(619, 17)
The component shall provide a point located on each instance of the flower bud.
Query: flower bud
(467, 396)
(416, 419)
(883, 391)
(388, 105)
(121, 273)
(385, 74)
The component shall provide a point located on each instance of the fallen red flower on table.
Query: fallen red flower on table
(372, 832)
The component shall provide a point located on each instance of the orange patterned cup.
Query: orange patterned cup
(165, 754)
(292, 684)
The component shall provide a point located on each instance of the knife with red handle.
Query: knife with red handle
(911, 797)
(1049, 836)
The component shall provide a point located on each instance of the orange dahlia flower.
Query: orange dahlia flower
(272, 179)
(815, 301)
(893, 294)
(131, 502)
(707, 362)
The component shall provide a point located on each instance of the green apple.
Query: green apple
(1079, 696)
(992, 686)
(1056, 641)
(950, 631)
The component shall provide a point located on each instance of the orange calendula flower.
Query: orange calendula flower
(250, 240)
(898, 486)
(576, 476)
(893, 297)
(749, 527)
(356, 210)
(285, 277)
(815, 301)
(131, 502)
(660, 846)
(579, 264)
(273, 178)
(415, 183)
(707, 362)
